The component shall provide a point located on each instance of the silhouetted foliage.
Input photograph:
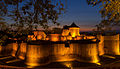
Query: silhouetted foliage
(110, 11)
(29, 14)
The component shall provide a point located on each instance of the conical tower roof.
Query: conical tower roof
(73, 25)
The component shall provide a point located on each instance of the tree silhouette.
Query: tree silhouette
(110, 10)
(30, 14)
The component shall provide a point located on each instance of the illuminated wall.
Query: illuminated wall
(63, 38)
(90, 37)
(74, 31)
(61, 53)
(101, 44)
(65, 32)
(31, 37)
(111, 45)
(37, 54)
(38, 35)
(55, 37)
(15, 47)
(22, 51)
(1, 49)
(85, 52)
(76, 51)
(9, 49)
(57, 52)
(69, 37)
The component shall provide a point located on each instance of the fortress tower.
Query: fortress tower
(72, 30)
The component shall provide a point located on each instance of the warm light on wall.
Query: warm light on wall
(35, 33)
(22, 51)
(46, 38)
(79, 37)
(31, 37)
(39, 34)
(15, 47)
(95, 59)
(74, 38)
(63, 38)
(68, 64)
(39, 37)
(74, 31)
(33, 55)
(54, 37)
(73, 34)
(65, 32)
(69, 38)
(101, 44)
(0, 48)
(111, 44)
(90, 37)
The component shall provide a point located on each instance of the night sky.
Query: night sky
(78, 11)
(84, 15)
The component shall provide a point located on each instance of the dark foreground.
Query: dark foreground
(106, 62)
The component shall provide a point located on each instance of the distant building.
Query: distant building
(37, 35)
(68, 33)
(72, 30)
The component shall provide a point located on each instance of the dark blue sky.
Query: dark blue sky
(84, 15)
(81, 13)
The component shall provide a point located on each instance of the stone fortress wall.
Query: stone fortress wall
(46, 52)
(61, 47)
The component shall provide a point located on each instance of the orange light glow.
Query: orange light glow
(90, 37)
(74, 31)
(46, 38)
(65, 32)
(69, 38)
(73, 34)
(101, 44)
(22, 51)
(112, 44)
(79, 37)
(55, 37)
(31, 37)
(15, 46)
(0, 48)
(39, 37)
(35, 54)
(68, 64)
(63, 38)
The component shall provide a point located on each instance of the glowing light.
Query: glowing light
(69, 38)
(73, 34)
(90, 37)
(39, 37)
(74, 31)
(101, 44)
(94, 40)
(15, 46)
(35, 33)
(65, 32)
(112, 44)
(47, 38)
(22, 51)
(63, 39)
(35, 54)
(98, 63)
(55, 37)
(68, 64)
(79, 38)
(0, 48)
(31, 37)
